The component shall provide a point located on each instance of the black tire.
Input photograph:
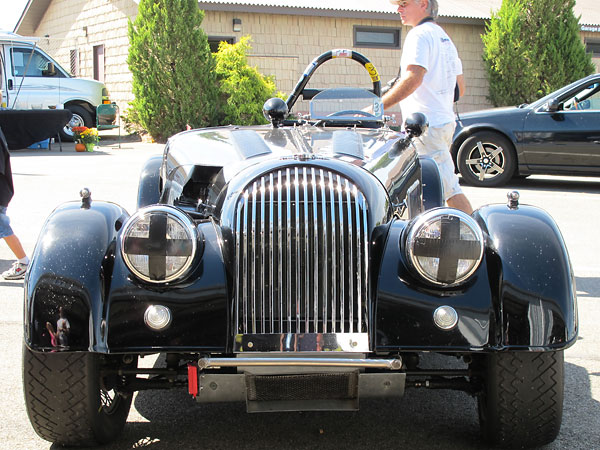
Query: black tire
(66, 402)
(486, 159)
(81, 117)
(522, 399)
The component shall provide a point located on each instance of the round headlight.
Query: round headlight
(158, 243)
(444, 246)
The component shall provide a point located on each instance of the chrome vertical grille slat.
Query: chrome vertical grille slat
(316, 250)
(289, 230)
(335, 255)
(255, 236)
(306, 254)
(298, 247)
(271, 256)
(325, 273)
(301, 242)
(245, 272)
(350, 275)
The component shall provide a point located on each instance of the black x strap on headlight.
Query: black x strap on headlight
(444, 246)
(158, 243)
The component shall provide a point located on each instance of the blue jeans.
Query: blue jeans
(5, 229)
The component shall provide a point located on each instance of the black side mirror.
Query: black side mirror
(275, 111)
(552, 105)
(416, 124)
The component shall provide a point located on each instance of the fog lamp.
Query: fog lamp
(157, 317)
(445, 317)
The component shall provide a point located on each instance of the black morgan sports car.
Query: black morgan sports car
(301, 265)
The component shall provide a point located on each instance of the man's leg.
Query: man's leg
(460, 201)
(14, 244)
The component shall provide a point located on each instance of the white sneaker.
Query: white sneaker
(16, 272)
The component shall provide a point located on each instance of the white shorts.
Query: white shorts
(435, 143)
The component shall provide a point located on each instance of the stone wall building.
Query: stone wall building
(89, 37)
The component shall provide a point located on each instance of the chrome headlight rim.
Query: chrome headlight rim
(426, 219)
(182, 219)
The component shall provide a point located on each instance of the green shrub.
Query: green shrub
(243, 88)
(531, 48)
(174, 82)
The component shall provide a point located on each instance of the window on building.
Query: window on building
(593, 47)
(376, 37)
(74, 62)
(214, 41)
(99, 62)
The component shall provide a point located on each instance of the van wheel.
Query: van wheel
(81, 118)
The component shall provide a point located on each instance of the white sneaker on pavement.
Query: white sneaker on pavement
(16, 272)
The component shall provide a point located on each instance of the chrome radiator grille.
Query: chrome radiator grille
(301, 252)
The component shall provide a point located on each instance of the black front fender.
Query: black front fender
(70, 273)
(522, 296)
(534, 277)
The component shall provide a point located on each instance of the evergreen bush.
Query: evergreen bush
(243, 88)
(174, 80)
(531, 48)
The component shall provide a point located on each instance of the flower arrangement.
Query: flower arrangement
(77, 132)
(89, 136)
(85, 135)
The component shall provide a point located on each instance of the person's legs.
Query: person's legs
(435, 144)
(14, 244)
(460, 201)
(18, 269)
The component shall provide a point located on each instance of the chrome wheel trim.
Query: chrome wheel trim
(486, 161)
(76, 121)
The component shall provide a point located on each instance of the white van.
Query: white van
(31, 79)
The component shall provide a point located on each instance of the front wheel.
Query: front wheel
(486, 159)
(521, 401)
(68, 402)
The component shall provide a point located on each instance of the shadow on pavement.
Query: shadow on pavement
(587, 286)
(420, 420)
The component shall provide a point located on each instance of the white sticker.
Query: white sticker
(341, 53)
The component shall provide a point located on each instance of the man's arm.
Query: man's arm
(460, 80)
(411, 79)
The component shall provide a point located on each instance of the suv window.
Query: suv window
(37, 67)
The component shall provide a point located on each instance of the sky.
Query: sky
(10, 12)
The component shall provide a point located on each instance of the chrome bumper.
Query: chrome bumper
(300, 382)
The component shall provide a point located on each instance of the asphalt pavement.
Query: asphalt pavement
(172, 420)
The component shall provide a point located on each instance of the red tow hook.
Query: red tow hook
(193, 379)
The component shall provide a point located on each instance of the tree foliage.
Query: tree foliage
(244, 89)
(174, 82)
(531, 48)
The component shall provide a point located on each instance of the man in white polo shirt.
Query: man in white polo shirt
(430, 69)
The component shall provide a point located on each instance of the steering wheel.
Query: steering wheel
(348, 112)
(327, 56)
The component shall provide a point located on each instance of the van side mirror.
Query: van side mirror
(552, 105)
(50, 70)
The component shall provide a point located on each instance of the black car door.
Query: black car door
(563, 136)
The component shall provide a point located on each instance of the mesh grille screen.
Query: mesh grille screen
(325, 386)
